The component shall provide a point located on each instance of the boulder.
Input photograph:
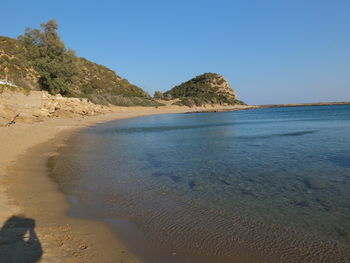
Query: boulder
(38, 105)
(41, 113)
(63, 114)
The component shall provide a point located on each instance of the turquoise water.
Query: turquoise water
(265, 185)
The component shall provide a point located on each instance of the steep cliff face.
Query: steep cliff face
(208, 88)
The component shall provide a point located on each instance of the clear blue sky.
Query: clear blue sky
(271, 51)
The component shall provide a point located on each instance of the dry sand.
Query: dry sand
(33, 220)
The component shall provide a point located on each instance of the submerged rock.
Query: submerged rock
(224, 181)
(175, 178)
(196, 185)
(302, 203)
(343, 233)
(315, 184)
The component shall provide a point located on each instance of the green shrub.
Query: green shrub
(4, 87)
(40, 60)
(200, 91)
(158, 95)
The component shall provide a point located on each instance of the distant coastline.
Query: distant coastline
(265, 106)
(304, 104)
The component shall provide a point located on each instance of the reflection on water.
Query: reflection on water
(261, 185)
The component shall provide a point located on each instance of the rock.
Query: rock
(343, 232)
(196, 185)
(203, 90)
(38, 105)
(90, 113)
(80, 109)
(41, 113)
(63, 114)
(80, 106)
(300, 202)
(25, 118)
(314, 183)
(3, 122)
(83, 246)
(224, 181)
(8, 113)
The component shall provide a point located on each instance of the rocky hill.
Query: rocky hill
(39, 60)
(208, 88)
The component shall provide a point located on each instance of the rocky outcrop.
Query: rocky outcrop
(19, 107)
(208, 88)
(52, 105)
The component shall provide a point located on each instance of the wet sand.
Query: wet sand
(33, 212)
(30, 200)
(33, 220)
(177, 231)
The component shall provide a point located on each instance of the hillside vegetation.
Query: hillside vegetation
(39, 60)
(208, 88)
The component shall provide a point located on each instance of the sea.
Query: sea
(261, 185)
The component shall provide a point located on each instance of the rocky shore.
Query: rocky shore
(22, 107)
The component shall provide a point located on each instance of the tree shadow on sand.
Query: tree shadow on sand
(19, 242)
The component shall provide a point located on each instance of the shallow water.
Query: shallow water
(265, 185)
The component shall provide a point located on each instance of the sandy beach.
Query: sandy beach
(35, 227)
(175, 132)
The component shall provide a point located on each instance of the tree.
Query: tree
(58, 66)
(167, 96)
(158, 95)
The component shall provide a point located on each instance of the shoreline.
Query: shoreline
(28, 192)
(280, 242)
(39, 198)
(26, 148)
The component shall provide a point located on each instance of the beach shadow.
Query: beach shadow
(19, 242)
